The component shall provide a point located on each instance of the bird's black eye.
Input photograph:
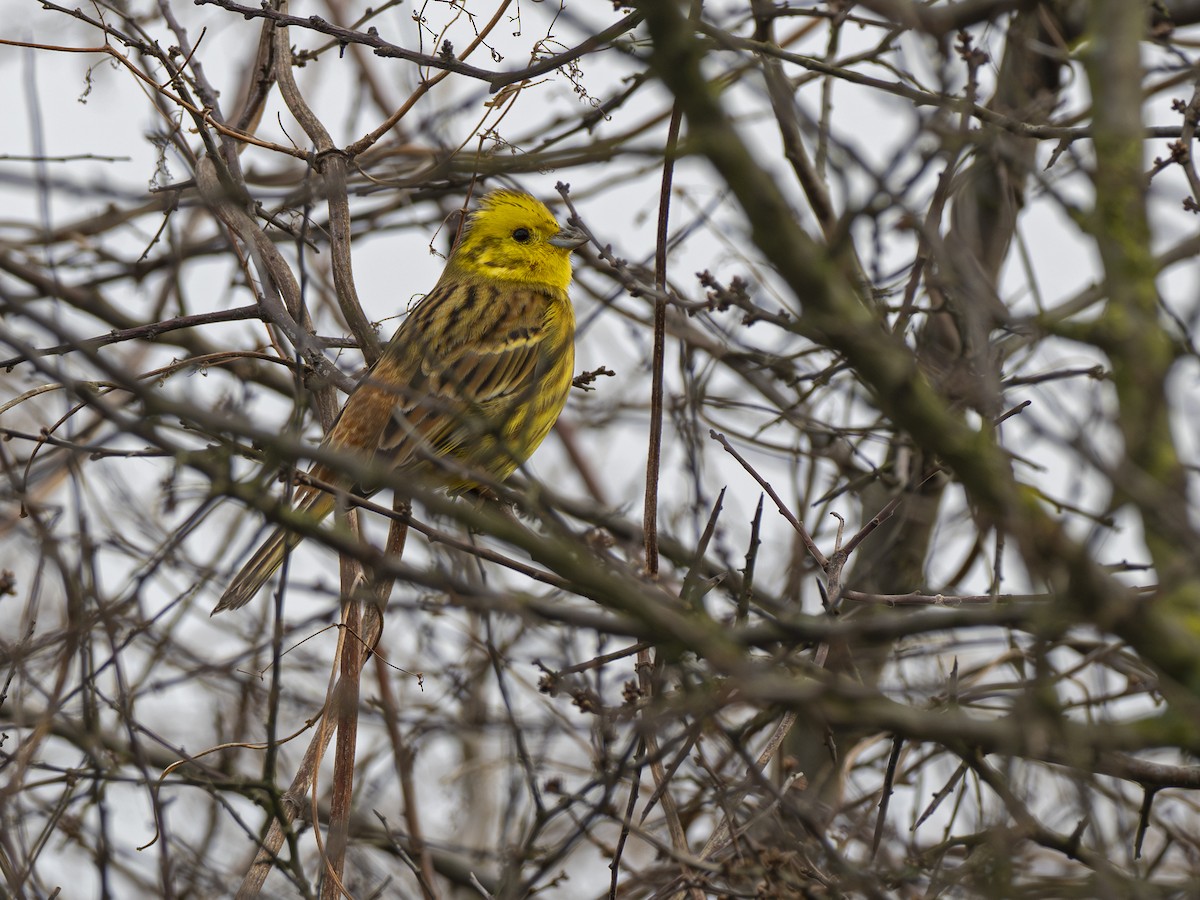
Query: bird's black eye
(522, 236)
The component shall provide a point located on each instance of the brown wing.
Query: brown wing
(469, 402)
(451, 378)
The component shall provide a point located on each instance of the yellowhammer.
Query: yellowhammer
(478, 372)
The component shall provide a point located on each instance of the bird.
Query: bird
(476, 375)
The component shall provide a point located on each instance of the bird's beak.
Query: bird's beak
(568, 238)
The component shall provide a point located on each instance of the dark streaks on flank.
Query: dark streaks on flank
(470, 298)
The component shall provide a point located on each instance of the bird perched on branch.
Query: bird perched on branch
(476, 374)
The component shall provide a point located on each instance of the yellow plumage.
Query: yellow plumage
(477, 373)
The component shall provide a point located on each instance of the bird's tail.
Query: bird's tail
(311, 502)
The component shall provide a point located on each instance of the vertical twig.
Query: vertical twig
(889, 781)
(743, 602)
(404, 758)
(645, 667)
(344, 715)
(627, 819)
(654, 454)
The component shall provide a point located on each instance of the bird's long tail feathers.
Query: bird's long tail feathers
(315, 505)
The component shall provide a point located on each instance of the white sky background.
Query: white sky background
(393, 268)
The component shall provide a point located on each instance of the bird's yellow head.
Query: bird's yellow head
(514, 237)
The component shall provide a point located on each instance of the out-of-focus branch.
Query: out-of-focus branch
(834, 315)
(1141, 352)
(332, 164)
